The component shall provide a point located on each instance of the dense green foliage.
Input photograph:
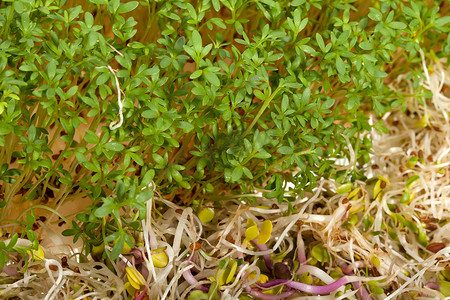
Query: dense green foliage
(218, 97)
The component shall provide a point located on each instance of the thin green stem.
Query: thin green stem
(261, 110)
(46, 208)
(5, 30)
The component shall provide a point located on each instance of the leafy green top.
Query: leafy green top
(217, 95)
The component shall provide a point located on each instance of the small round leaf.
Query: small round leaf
(206, 215)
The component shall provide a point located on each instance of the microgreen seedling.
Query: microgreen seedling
(134, 278)
(159, 258)
(252, 232)
(206, 215)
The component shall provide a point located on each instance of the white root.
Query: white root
(56, 283)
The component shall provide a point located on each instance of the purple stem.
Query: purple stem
(266, 257)
(191, 259)
(432, 285)
(318, 289)
(144, 272)
(312, 289)
(138, 259)
(301, 251)
(361, 290)
(272, 283)
(140, 296)
(259, 294)
(192, 281)
(263, 296)
(10, 271)
(137, 256)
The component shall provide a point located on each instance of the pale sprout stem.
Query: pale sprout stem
(299, 215)
(114, 49)
(352, 155)
(87, 295)
(315, 271)
(177, 276)
(149, 240)
(240, 274)
(114, 125)
(246, 251)
(52, 292)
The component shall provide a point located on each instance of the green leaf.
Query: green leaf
(233, 268)
(148, 177)
(320, 253)
(303, 24)
(12, 243)
(197, 295)
(247, 172)
(118, 247)
(311, 139)
(397, 25)
(144, 196)
(127, 7)
(212, 292)
(114, 5)
(345, 188)
(375, 14)
(366, 45)
(263, 154)
(340, 65)
(226, 273)
(405, 197)
(114, 146)
(51, 69)
(444, 287)
(100, 2)
(212, 78)
(441, 22)
(186, 126)
(196, 74)
(104, 211)
(206, 215)
(88, 19)
(150, 114)
(159, 257)
(237, 173)
(320, 42)
(411, 180)
(259, 94)
(412, 162)
(270, 3)
(307, 49)
(91, 138)
(328, 103)
(423, 238)
(72, 91)
(137, 159)
(3, 259)
(30, 220)
(285, 150)
(103, 78)
(380, 74)
(196, 41)
(216, 5)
